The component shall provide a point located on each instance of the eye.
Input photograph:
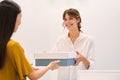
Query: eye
(71, 18)
(65, 19)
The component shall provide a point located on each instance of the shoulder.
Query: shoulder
(14, 49)
(86, 36)
(12, 44)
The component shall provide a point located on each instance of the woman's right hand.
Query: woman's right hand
(53, 65)
(37, 73)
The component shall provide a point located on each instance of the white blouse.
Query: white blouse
(84, 45)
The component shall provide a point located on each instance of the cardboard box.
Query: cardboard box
(66, 58)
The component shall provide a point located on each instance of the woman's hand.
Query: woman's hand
(38, 73)
(53, 65)
(78, 58)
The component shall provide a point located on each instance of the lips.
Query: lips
(69, 25)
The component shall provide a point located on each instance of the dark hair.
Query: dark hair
(8, 14)
(73, 13)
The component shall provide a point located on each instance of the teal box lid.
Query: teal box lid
(63, 62)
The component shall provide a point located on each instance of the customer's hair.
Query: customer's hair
(8, 14)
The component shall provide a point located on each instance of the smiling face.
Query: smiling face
(71, 23)
(72, 19)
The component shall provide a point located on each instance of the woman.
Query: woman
(75, 41)
(13, 63)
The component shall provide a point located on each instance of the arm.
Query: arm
(80, 58)
(40, 72)
(88, 58)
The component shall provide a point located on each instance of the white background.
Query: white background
(42, 24)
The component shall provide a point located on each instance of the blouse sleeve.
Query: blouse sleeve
(90, 54)
(22, 66)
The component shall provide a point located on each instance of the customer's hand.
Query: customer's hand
(54, 65)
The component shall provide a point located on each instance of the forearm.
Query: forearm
(86, 63)
(38, 73)
(80, 58)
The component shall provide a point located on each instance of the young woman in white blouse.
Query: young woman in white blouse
(75, 41)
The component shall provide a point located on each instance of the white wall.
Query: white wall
(42, 24)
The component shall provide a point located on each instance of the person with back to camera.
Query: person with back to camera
(13, 63)
(74, 41)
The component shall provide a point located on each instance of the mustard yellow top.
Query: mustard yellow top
(16, 65)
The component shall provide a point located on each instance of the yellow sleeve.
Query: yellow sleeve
(22, 65)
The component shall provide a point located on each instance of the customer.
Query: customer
(13, 63)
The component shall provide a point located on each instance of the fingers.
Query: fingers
(55, 67)
(77, 52)
(54, 64)
(57, 61)
(77, 62)
(77, 58)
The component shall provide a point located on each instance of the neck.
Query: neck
(74, 34)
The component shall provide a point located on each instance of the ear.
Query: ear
(78, 20)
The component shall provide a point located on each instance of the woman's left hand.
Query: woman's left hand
(78, 58)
